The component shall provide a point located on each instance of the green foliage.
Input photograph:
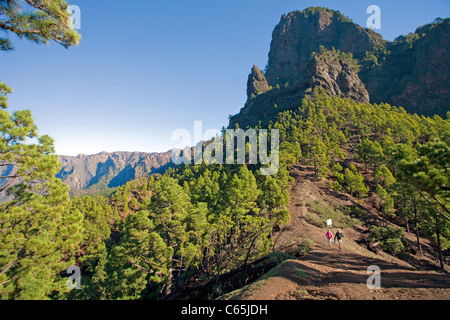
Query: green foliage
(279, 257)
(384, 177)
(335, 186)
(39, 21)
(321, 157)
(370, 152)
(336, 171)
(37, 227)
(386, 203)
(298, 248)
(319, 213)
(303, 248)
(354, 182)
(375, 57)
(355, 212)
(163, 235)
(99, 219)
(301, 273)
(429, 174)
(390, 239)
(338, 55)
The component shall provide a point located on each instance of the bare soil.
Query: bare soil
(328, 273)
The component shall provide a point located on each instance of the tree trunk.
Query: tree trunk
(439, 250)
(315, 167)
(419, 245)
(168, 287)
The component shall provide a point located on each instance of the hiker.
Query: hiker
(329, 236)
(339, 236)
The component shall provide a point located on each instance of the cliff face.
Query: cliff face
(301, 33)
(339, 77)
(328, 71)
(416, 73)
(321, 48)
(110, 169)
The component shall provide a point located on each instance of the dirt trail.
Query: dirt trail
(328, 273)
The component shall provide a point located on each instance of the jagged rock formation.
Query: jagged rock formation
(321, 48)
(337, 76)
(329, 71)
(257, 83)
(110, 169)
(300, 33)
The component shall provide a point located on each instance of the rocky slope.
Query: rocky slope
(104, 170)
(328, 70)
(322, 48)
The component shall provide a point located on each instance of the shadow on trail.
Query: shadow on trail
(349, 261)
(352, 269)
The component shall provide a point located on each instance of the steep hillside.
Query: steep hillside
(379, 173)
(327, 273)
(109, 170)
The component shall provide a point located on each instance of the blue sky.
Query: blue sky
(147, 68)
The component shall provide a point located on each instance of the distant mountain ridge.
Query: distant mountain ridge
(110, 170)
(317, 48)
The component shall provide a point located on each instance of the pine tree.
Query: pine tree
(275, 200)
(370, 152)
(386, 203)
(169, 210)
(39, 21)
(429, 174)
(354, 182)
(384, 177)
(39, 235)
(321, 158)
(124, 272)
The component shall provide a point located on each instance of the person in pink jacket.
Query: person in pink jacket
(329, 236)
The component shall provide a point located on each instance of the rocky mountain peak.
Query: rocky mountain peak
(321, 48)
(257, 83)
(301, 33)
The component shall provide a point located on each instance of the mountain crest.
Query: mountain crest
(321, 48)
(301, 33)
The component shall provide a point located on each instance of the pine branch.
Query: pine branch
(441, 204)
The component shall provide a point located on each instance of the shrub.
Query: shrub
(356, 212)
(303, 248)
(279, 257)
(301, 273)
(390, 238)
(319, 213)
(335, 186)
